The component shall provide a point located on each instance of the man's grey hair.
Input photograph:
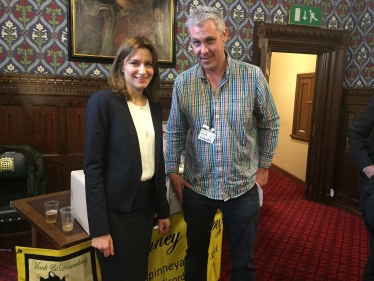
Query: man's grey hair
(203, 13)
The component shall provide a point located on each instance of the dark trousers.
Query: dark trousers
(368, 274)
(240, 222)
(131, 234)
(369, 267)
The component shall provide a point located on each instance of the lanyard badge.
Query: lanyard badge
(207, 134)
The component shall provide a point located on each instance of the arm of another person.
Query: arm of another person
(267, 126)
(162, 204)
(176, 133)
(178, 183)
(96, 120)
(357, 137)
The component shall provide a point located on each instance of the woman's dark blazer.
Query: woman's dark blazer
(112, 161)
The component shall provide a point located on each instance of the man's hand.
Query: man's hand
(163, 226)
(262, 176)
(177, 182)
(369, 171)
(104, 244)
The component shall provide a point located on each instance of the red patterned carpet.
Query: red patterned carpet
(298, 240)
(8, 267)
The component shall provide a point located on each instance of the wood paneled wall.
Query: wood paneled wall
(47, 113)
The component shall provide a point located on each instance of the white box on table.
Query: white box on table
(78, 199)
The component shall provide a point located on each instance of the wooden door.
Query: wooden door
(303, 109)
(330, 46)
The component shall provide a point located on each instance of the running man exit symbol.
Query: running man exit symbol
(305, 15)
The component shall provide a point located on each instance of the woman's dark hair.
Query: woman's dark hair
(125, 51)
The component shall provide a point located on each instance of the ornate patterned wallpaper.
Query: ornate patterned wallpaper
(34, 35)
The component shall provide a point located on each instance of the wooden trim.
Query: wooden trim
(347, 208)
(358, 96)
(296, 137)
(292, 38)
(45, 85)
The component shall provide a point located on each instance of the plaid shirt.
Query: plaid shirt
(245, 121)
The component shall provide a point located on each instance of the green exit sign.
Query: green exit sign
(305, 15)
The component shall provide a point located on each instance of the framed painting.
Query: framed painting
(98, 27)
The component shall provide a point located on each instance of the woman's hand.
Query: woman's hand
(104, 244)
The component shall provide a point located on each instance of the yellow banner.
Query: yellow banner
(74, 263)
(78, 263)
(166, 256)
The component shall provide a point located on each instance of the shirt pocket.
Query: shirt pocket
(239, 113)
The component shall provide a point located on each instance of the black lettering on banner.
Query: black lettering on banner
(174, 266)
(171, 239)
(217, 224)
(214, 251)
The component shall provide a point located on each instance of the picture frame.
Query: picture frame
(96, 28)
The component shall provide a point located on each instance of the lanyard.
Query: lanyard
(211, 112)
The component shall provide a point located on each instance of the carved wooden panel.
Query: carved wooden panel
(75, 123)
(57, 179)
(44, 121)
(12, 124)
(345, 182)
(47, 113)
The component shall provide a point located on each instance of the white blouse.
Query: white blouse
(142, 118)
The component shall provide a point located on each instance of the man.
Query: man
(363, 155)
(224, 112)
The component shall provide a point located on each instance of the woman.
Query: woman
(124, 165)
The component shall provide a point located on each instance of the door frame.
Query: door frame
(330, 46)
